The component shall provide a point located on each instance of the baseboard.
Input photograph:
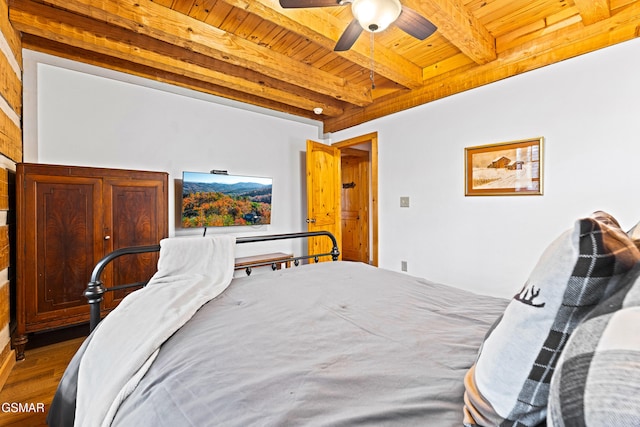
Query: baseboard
(6, 366)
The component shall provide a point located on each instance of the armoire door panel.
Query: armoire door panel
(134, 210)
(66, 244)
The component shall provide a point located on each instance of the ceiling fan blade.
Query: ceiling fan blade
(414, 24)
(349, 37)
(297, 4)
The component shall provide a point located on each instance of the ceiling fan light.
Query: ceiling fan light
(376, 15)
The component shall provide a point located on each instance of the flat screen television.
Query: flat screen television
(219, 200)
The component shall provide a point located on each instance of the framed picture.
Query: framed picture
(504, 169)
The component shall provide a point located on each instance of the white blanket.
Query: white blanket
(191, 271)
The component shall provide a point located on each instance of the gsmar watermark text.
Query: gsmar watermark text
(19, 407)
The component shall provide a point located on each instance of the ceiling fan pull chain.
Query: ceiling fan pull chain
(373, 83)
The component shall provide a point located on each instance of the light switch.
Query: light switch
(404, 201)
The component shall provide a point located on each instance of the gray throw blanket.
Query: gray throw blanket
(191, 271)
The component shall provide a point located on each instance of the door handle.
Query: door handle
(311, 220)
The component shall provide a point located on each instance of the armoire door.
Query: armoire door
(60, 247)
(135, 215)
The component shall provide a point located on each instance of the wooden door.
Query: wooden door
(60, 225)
(355, 205)
(135, 212)
(369, 143)
(323, 195)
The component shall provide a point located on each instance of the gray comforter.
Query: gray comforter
(330, 344)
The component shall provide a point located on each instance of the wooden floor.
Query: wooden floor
(35, 379)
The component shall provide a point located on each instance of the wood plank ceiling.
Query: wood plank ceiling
(256, 52)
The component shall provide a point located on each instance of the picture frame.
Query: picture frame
(513, 168)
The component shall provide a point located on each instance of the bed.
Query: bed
(321, 344)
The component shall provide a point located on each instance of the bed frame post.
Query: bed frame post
(335, 252)
(93, 293)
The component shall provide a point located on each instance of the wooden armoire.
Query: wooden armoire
(68, 218)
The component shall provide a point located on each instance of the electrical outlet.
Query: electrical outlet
(404, 201)
(403, 265)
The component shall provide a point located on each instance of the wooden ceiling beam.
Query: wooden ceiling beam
(593, 11)
(84, 33)
(447, 65)
(456, 23)
(158, 22)
(325, 29)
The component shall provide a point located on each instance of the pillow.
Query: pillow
(509, 382)
(597, 377)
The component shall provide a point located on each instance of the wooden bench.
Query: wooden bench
(275, 260)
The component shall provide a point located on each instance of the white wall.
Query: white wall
(81, 115)
(587, 110)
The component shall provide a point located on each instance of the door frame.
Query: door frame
(372, 139)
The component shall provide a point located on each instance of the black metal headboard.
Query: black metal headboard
(96, 289)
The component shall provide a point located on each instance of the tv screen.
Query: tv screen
(217, 200)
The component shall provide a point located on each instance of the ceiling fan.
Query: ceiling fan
(373, 16)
